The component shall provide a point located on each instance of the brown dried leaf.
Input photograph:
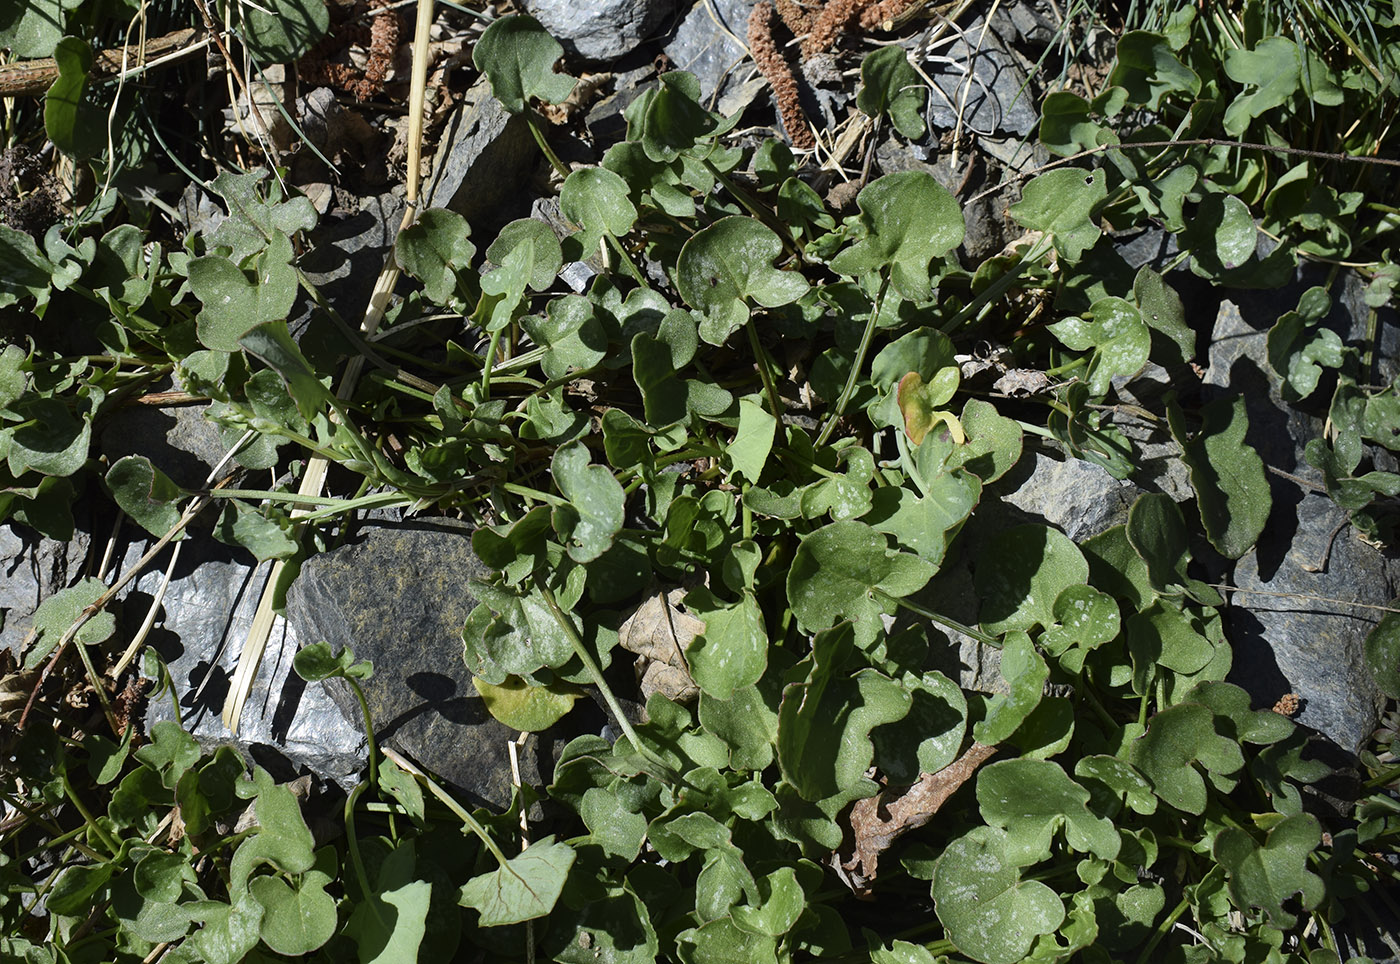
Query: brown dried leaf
(877, 822)
(659, 632)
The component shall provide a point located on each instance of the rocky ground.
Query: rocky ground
(397, 589)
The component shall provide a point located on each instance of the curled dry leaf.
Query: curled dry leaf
(878, 821)
(659, 632)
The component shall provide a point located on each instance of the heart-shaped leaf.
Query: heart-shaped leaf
(728, 265)
(1232, 489)
(1061, 203)
(844, 571)
(1021, 572)
(1271, 874)
(436, 249)
(825, 720)
(518, 56)
(1115, 332)
(991, 914)
(889, 84)
(594, 512)
(596, 199)
(1031, 800)
(234, 302)
(909, 219)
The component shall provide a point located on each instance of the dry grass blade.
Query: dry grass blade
(315, 476)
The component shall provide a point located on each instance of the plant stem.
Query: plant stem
(533, 122)
(461, 812)
(761, 359)
(929, 614)
(591, 665)
(88, 818)
(1162, 930)
(857, 364)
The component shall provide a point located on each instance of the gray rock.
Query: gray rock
(398, 596)
(707, 42)
(1304, 638)
(207, 611)
(485, 159)
(986, 86)
(176, 438)
(601, 29)
(33, 568)
(1079, 498)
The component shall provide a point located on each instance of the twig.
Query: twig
(317, 466)
(1185, 142)
(30, 78)
(1304, 595)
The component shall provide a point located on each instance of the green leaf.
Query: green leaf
(282, 838)
(1161, 635)
(33, 28)
(60, 611)
(991, 914)
(723, 941)
(1020, 573)
(546, 257)
(1232, 490)
(846, 570)
(317, 662)
(1176, 739)
(266, 538)
(145, 493)
(573, 334)
(1161, 308)
(726, 266)
(518, 56)
(253, 221)
(1026, 673)
(753, 441)
(783, 901)
(75, 887)
(616, 829)
(1061, 203)
(1115, 332)
(54, 438)
(1148, 69)
(281, 31)
(926, 524)
(1031, 800)
(747, 722)
(523, 888)
(596, 199)
(909, 219)
(389, 925)
(993, 443)
(731, 652)
(1299, 347)
(1066, 124)
(594, 515)
(272, 344)
(295, 920)
(24, 270)
(825, 720)
(230, 931)
(521, 706)
(1382, 650)
(512, 632)
(1272, 68)
(1270, 874)
(1221, 235)
(889, 84)
(657, 360)
(929, 737)
(234, 302)
(436, 249)
(70, 120)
